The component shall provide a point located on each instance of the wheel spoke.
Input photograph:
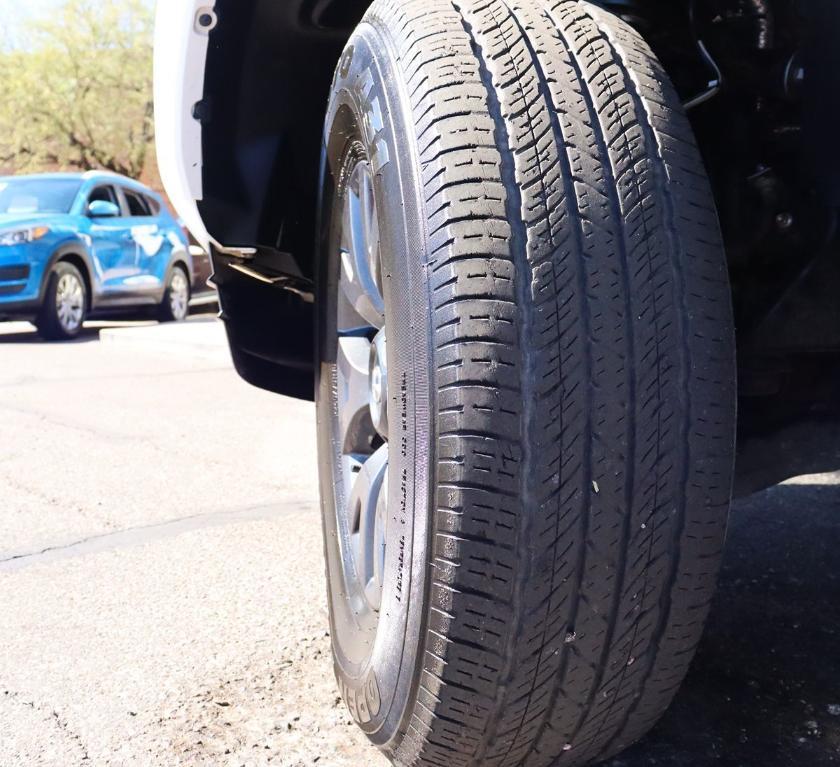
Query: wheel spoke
(379, 385)
(367, 501)
(353, 367)
(371, 232)
(378, 541)
(360, 256)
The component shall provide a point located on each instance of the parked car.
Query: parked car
(74, 245)
(500, 270)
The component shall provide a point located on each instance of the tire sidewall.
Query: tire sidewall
(369, 111)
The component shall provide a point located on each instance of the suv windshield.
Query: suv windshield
(24, 196)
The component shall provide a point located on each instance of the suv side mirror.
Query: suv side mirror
(103, 209)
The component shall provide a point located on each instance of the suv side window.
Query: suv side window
(137, 206)
(154, 205)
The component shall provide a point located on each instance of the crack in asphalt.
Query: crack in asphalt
(55, 716)
(52, 419)
(141, 534)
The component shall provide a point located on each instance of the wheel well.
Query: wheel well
(754, 77)
(79, 263)
(261, 171)
(261, 157)
(183, 264)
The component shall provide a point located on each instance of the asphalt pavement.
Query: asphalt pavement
(161, 578)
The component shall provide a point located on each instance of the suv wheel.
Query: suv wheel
(526, 404)
(65, 304)
(175, 306)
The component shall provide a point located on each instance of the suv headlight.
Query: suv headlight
(22, 236)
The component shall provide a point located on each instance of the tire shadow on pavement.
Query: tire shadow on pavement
(31, 337)
(765, 686)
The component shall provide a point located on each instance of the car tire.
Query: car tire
(516, 218)
(65, 304)
(175, 306)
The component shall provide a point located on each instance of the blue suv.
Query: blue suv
(72, 245)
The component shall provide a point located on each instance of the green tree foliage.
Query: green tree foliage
(76, 93)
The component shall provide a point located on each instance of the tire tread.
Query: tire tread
(584, 375)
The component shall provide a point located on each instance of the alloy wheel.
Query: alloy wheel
(70, 302)
(179, 294)
(361, 406)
